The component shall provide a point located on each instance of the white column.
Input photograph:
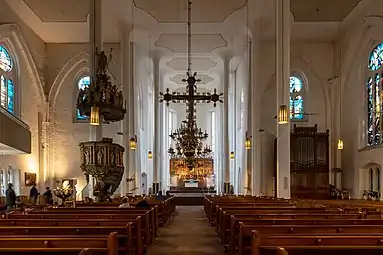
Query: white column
(129, 120)
(256, 110)
(283, 24)
(162, 140)
(134, 171)
(248, 99)
(95, 34)
(226, 144)
(157, 127)
(95, 39)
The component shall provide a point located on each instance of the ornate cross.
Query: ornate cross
(191, 96)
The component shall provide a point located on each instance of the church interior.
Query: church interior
(140, 119)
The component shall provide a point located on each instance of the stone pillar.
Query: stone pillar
(134, 172)
(256, 106)
(226, 144)
(129, 120)
(248, 99)
(283, 24)
(157, 128)
(95, 39)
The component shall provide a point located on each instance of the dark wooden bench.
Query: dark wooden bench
(63, 246)
(302, 245)
(246, 232)
(140, 224)
(230, 236)
(152, 213)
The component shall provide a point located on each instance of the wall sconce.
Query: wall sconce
(232, 155)
(248, 142)
(94, 116)
(340, 144)
(150, 155)
(283, 114)
(133, 143)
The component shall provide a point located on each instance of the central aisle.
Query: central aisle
(187, 233)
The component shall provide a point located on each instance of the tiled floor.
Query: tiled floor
(187, 233)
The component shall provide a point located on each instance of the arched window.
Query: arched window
(296, 98)
(82, 84)
(373, 96)
(7, 75)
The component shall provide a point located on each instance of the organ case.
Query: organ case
(309, 163)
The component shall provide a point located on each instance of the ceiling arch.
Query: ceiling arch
(175, 11)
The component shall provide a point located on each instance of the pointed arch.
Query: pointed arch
(15, 42)
(75, 63)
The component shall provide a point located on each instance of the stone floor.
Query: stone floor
(187, 233)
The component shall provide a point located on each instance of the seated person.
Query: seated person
(125, 203)
(143, 204)
(160, 196)
(167, 194)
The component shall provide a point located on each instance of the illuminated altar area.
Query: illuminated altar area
(201, 176)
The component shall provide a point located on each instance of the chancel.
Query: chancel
(150, 122)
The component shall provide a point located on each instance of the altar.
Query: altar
(191, 183)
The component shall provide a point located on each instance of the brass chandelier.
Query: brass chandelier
(189, 142)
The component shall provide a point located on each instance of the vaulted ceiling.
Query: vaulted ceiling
(59, 10)
(322, 10)
(218, 26)
(204, 11)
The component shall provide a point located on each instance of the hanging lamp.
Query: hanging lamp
(133, 143)
(248, 142)
(283, 114)
(94, 119)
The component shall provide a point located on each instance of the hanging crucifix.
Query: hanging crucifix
(191, 97)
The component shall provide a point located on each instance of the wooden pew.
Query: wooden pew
(231, 236)
(71, 223)
(301, 245)
(62, 246)
(246, 232)
(224, 218)
(141, 226)
(296, 219)
(153, 213)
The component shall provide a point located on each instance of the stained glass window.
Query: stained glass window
(5, 59)
(11, 96)
(3, 91)
(376, 58)
(296, 98)
(82, 84)
(7, 75)
(374, 97)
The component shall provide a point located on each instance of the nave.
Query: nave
(187, 233)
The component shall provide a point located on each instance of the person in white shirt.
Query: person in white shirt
(125, 203)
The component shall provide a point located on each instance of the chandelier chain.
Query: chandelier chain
(189, 35)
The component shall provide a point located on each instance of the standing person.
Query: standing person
(10, 197)
(33, 193)
(48, 196)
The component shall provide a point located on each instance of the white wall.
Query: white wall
(355, 158)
